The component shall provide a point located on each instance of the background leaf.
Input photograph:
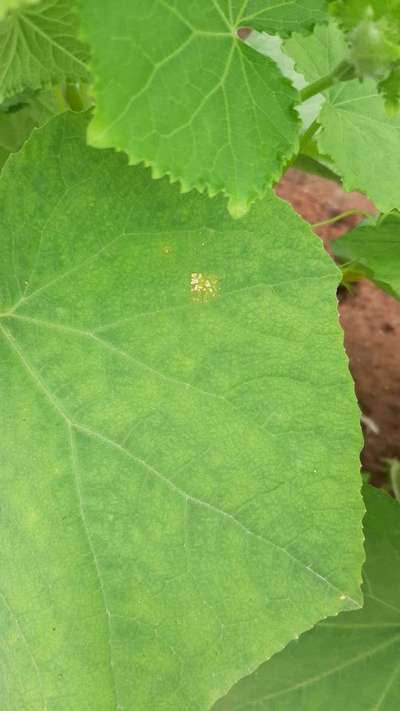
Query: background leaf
(193, 102)
(390, 89)
(374, 251)
(180, 439)
(351, 12)
(271, 46)
(18, 121)
(39, 47)
(353, 121)
(8, 5)
(351, 662)
(319, 53)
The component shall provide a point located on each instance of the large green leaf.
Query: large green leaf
(177, 90)
(271, 46)
(179, 435)
(374, 251)
(315, 56)
(39, 47)
(351, 663)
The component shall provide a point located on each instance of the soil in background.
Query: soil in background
(370, 320)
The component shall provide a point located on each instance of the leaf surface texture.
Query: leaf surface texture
(39, 47)
(192, 101)
(180, 435)
(351, 662)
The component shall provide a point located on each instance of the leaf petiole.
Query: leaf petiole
(342, 216)
(343, 72)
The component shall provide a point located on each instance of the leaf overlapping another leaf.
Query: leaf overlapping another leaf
(193, 102)
(353, 121)
(319, 53)
(18, 121)
(180, 439)
(351, 662)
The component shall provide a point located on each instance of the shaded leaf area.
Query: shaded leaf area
(353, 122)
(18, 121)
(180, 490)
(192, 101)
(39, 47)
(390, 89)
(271, 46)
(351, 662)
(374, 252)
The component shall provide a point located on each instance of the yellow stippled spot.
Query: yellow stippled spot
(203, 287)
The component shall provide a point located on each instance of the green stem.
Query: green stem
(342, 72)
(308, 134)
(342, 216)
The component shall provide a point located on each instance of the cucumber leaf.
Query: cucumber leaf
(180, 440)
(374, 252)
(8, 5)
(18, 121)
(39, 47)
(271, 46)
(353, 121)
(193, 102)
(351, 662)
(319, 53)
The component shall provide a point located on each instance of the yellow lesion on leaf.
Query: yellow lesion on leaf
(203, 287)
